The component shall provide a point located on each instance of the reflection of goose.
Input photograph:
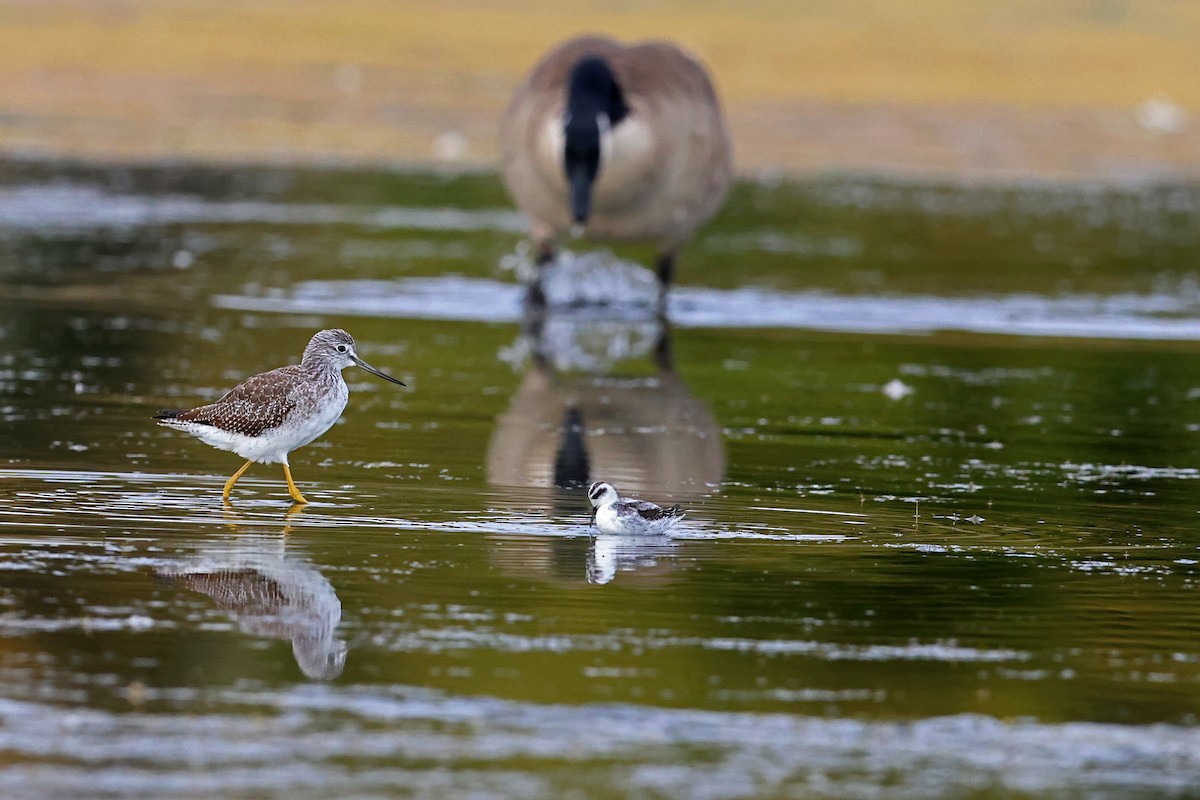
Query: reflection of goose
(626, 142)
(269, 594)
(648, 434)
(571, 465)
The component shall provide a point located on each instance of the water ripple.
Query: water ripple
(49, 208)
(315, 741)
(1120, 316)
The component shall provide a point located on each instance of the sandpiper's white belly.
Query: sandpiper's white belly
(321, 418)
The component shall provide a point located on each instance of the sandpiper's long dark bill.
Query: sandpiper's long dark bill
(267, 416)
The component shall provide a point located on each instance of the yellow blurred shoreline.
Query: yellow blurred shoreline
(1099, 91)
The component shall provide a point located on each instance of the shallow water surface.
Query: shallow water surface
(938, 449)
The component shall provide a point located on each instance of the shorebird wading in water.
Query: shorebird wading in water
(267, 416)
(616, 515)
(618, 142)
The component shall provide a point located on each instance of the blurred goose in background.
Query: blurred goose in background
(619, 142)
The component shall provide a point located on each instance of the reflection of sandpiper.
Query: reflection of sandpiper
(269, 594)
(647, 433)
(267, 416)
(627, 143)
(616, 514)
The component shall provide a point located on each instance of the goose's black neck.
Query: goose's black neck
(594, 99)
(593, 90)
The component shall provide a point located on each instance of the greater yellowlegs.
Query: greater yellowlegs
(267, 416)
(613, 514)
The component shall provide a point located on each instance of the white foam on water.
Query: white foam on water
(329, 741)
(452, 297)
(72, 207)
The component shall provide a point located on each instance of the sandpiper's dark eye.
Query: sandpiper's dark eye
(341, 348)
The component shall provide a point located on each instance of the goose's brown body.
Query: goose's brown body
(664, 169)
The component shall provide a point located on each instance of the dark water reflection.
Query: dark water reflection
(646, 433)
(935, 565)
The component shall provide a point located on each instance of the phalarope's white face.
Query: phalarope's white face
(601, 494)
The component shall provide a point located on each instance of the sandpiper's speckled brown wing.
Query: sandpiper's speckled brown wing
(241, 591)
(255, 405)
(260, 603)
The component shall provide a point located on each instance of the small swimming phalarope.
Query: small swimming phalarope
(613, 514)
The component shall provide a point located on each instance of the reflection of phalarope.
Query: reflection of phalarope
(267, 416)
(617, 515)
(607, 555)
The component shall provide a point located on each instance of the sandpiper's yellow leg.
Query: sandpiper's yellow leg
(229, 483)
(292, 490)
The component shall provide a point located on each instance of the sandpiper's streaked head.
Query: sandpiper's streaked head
(335, 349)
(331, 348)
(602, 494)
